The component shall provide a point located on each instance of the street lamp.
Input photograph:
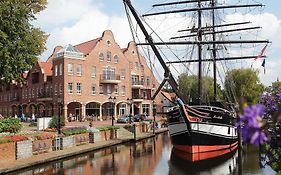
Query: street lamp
(112, 101)
(59, 106)
(154, 114)
(129, 101)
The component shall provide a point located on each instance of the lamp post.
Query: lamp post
(59, 122)
(154, 113)
(112, 101)
(129, 101)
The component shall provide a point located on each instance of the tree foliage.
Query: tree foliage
(243, 84)
(188, 86)
(20, 42)
(276, 84)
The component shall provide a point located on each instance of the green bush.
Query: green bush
(75, 131)
(55, 122)
(11, 125)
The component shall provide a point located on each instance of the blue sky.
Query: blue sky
(73, 21)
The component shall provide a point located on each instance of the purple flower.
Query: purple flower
(278, 94)
(251, 124)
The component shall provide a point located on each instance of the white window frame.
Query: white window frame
(94, 89)
(123, 90)
(101, 90)
(93, 71)
(116, 88)
(79, 72)
(70, 68)
(79, 88)
(60, 88)
(60, 69)
(70, 90)
(56, 70)
(101, 56)
(108, 56)
(116, 59)
(108, 90)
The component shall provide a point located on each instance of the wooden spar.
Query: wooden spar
(217, 59)
(167, 73)
(208, 27)
(214, 51)
(207, 42)
(177, 3)
(200, 80)
(202, 8)
(215, 32)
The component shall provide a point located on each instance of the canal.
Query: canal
(153, 156)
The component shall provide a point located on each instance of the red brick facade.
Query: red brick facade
(84, 77)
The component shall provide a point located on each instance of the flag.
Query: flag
(261, 53)
(263, 65)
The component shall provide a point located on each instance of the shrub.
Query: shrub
(11, 125)
(55, 122)
(74, 131)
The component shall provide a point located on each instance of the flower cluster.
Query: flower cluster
(271, 98)
(251, 124)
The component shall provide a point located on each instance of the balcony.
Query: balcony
(44, 97)
(110, 78)
(137, 84)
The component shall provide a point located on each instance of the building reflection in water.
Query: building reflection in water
(150, 156)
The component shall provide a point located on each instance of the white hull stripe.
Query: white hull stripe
(203, 128)
(225, 131)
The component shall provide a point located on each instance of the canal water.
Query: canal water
(152, 156)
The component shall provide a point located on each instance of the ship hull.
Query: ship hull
(202, 140)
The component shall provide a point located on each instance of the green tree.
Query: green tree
(20, 42)
(188, 86)
(243, 84)
(276, 84)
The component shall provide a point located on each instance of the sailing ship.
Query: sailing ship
(202, 130)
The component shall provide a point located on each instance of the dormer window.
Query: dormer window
(101, 57)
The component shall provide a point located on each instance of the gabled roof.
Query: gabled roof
(87, 46)
(47, 68)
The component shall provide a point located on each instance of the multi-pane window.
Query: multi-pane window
(108, 56)
(109, 90)
(93, 89)
(70, 69)
(135, 79)
(60, 88)
(116, 90)
(60, 69)
(101, 89)
(70, 88)
(79, 69)
(116, 58)
(56, 70)
(145, 109)
(123, 74)
(101, 57)
(123, 90)
(94, 71)
(56, 89)
(78, 88)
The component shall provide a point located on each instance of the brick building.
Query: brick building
(84, 76)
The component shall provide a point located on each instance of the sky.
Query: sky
(73, 22)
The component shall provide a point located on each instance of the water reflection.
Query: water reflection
(151, 156)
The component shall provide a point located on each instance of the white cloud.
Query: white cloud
(78, 21)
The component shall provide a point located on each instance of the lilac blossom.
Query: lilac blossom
(251, 124)
(278, 94)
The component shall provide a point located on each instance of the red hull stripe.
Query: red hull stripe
(203, 148)
(205, 155)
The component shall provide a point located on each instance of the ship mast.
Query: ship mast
(201, 31)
